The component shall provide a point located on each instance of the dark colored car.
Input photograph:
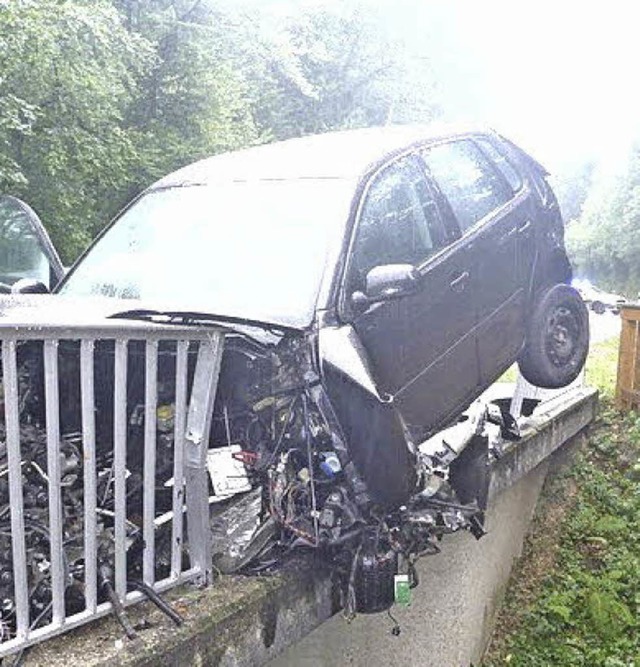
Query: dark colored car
(372, 284)
(421, 259)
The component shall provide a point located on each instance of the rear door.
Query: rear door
(492, 219)
(25, 248)
(421, 346)
(528, 225)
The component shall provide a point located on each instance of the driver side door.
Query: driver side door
(421, 345)
(26, 252)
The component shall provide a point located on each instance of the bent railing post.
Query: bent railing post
(203, 395)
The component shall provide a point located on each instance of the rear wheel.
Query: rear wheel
(598, 307)
(557, 339)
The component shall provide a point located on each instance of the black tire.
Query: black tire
(557, 339)
(598, 307)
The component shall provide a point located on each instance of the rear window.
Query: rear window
(502, 162)
(466, 177)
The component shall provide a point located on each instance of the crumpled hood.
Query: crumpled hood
(51, 309)
(42, 310)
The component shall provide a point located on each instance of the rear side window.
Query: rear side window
(466, 177)
(541, 187)
(502, 162)
(400, 222)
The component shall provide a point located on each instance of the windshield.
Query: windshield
(249, 249)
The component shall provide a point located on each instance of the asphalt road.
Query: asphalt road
(603, 326)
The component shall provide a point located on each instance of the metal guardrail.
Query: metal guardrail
(196, 377)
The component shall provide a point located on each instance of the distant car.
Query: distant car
(597, 299)
(392, 275)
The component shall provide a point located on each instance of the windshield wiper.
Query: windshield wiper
(191, 318)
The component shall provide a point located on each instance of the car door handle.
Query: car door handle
(525, 227)
(459, 282)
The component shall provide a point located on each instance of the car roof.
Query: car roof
(343, 154)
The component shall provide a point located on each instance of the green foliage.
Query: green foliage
(605, 242)
(608, 616)
(571, 185)
(193, 99)
(68, 72)
(601, 367)
(99, 98)
(588, 609)
(327, 67)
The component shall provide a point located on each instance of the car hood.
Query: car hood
(42, 310)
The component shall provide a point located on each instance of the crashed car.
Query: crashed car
(371, 284)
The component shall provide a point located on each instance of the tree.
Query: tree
(605, 242)
(321, 67)
(69, 71)
(571, 185)
(193, 101)
(99, 98)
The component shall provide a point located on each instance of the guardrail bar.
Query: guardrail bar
(120, 466)
(193, 408)
(203, 395)
(14, 460)
(149, 478)
(52, 413)
(180, 427)
(89, 457)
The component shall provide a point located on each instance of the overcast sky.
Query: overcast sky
(562, 78)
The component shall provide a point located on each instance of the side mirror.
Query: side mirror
(29, 286)
(386, 282)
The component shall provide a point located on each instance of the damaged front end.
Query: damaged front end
(106, 439)
(334, 469)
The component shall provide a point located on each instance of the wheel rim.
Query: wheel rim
(561, 335)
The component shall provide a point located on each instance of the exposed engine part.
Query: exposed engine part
(36, 520)
(375, 565)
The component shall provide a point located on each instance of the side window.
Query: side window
(467, 179)
(399, 222)
(502, 162)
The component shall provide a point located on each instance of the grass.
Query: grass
(601, 367)
(574, 599)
